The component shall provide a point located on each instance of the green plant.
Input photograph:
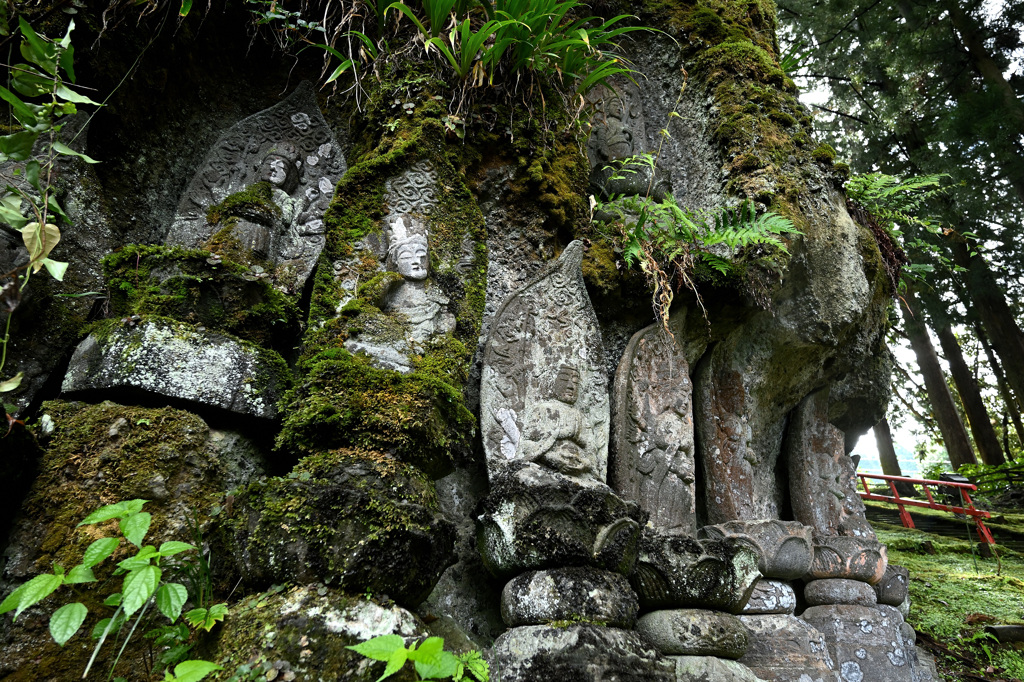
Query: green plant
(429, 658)
(667, 241)
(45, 75)
(143, 586)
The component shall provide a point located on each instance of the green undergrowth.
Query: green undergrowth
(954, 594)
(194, 287)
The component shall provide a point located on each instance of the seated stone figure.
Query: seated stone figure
(423, 305)
(555, 435)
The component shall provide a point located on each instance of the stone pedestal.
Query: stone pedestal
(784, 648)
(839, 591)
(565, 594)
(694, 632)
(770, 596)
(893, 588)
(678, 571)
(535, 519)
(852, 558)
(785, 547)
(579, 652)
(865, 643)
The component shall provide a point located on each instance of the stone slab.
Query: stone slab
(784, 648)
(839, 591)
(563, 594)
(175, 360)
(712, 669)
(865, 643)
(579, 652)
(694, 632)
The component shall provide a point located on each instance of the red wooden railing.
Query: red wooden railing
(901, 502)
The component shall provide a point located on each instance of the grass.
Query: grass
(954, 594)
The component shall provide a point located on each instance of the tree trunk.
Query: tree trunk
(954, 435)
(985, 438)
(1009, 399)
(989, 301)
(887, 456)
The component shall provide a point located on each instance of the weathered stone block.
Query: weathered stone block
(893, 588)
(583, 595)
(694, 632)
(770, 596)
(839, 591)
(175, 360)
(678, 571)
(785, 547)
(784, 648)
(578, 653)
(864, 643)
(848, 557)
(362, 524)
(712, 669)
(535, 518)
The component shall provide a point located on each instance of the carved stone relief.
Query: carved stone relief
(417, 308)
(653, 459)
(290, 146)
(544, 396)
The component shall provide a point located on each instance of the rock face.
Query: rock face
(653, 463)
(289, 147)
(179, 362)
(543, 391)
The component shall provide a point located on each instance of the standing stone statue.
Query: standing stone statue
(423, 305)
(543, 392)
(653, 459)
(291, 148)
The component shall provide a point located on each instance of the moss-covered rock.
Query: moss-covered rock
(359, 520)
(202, 289)
(306, 631)
(97, 455)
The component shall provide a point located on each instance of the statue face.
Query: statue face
(279, 172)
(567, 383)
(411, 260)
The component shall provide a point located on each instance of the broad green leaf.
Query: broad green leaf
(56, 268)
(69, 95)
(118, 621)
(62, 148)
(186, 5)
(29, 82)
(430, 647)
(437, 665)
(26, 114)
(80, 574)
(32, 592)
(135, 527)
(395, 663)
(10, 211)
(193, 671)
(379, 648)
(170, 597)
(113, 600)
(113, 511)
(139, 586)
(66, 621)
(205, 619)
(173, 547)
(12, 383)
(99, 550)
(18, 146)
(39, 240)
(37, 50)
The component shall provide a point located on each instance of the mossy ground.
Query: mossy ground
(954, 594)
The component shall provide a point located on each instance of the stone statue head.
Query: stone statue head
(567, 384)
(407, 251)
(279, 167)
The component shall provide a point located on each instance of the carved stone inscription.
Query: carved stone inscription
(288, 145)
(653, 458)
(543, 393)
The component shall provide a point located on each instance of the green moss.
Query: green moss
(185, 285)
(823, 153)
(254, 202)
